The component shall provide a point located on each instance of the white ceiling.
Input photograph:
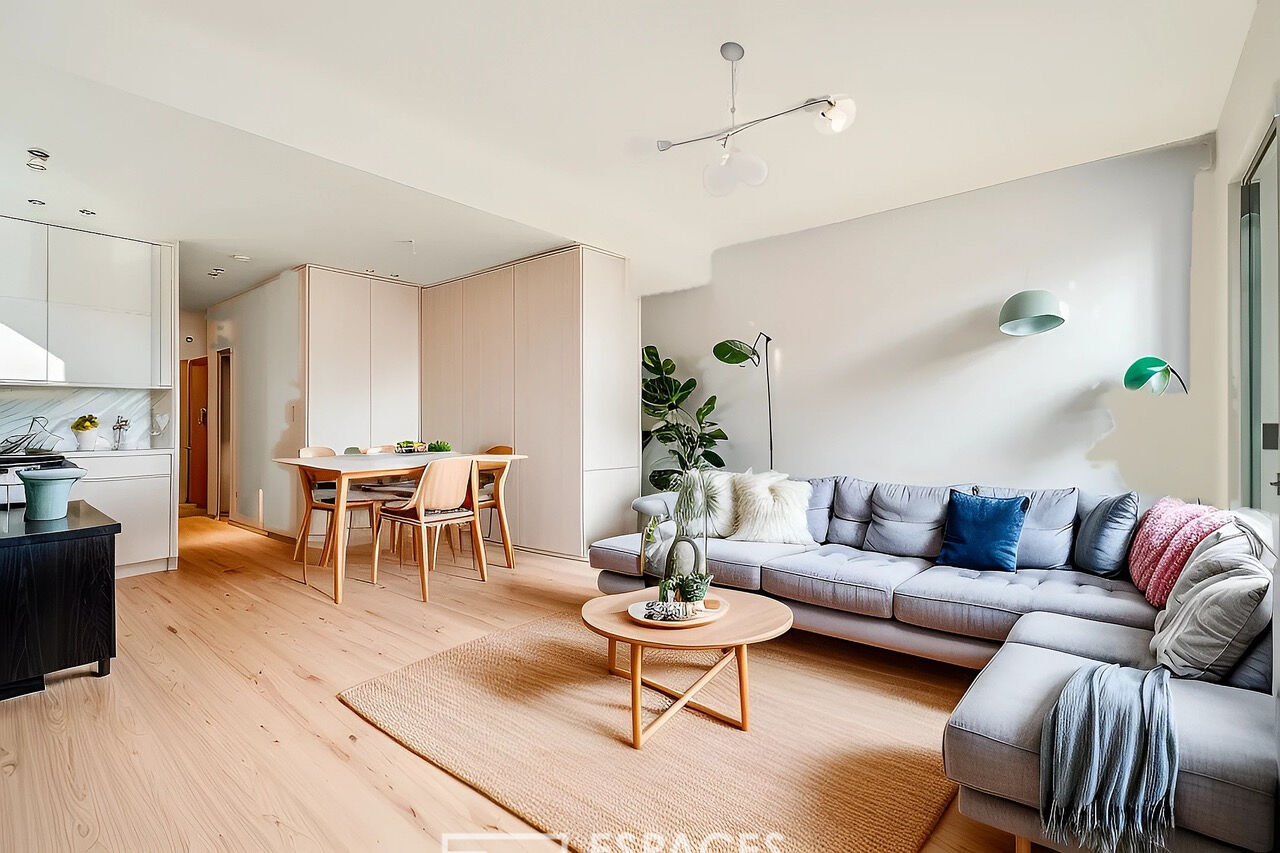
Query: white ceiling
(546, 113)
(153, 172)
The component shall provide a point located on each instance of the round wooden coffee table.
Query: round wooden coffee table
(750, 619)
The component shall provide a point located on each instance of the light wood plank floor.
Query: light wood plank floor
(219, 727)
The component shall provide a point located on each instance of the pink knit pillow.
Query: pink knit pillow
(1174, 558)
(1158, 527)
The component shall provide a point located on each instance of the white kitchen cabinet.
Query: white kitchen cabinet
(393, 362)
(338, 368)
(24, 312)
(135, 490)
(442, 346)
(101, 291)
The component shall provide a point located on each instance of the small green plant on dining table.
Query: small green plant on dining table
(439, 447)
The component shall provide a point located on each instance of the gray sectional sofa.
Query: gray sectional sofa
(871, 578)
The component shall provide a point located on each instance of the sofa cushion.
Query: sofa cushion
(1253, 672)
(1049, 528)
(982, 532)
(771, 508)
(987, 604)
(820, 501)
(850, 512)
(841, 578)
(619, 554)
(1106, 529)
(737, 564)
(907, 520)
(1226, 786)
(1084, 637)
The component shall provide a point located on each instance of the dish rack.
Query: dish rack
(37, 439)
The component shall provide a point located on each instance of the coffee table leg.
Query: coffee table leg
(742, 685)
(637, 661)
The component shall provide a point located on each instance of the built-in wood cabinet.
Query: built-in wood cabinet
(542, 355)
(362, 360)
(84, 309)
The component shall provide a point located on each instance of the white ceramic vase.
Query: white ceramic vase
(86, 439)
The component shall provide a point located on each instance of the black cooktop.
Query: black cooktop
(26, 460)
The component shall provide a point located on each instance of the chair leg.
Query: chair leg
(505, 529)
(455, 540)
(477, 547)
(305, 537)
(373, 562)
(326, 551)
(421, 542)
(433, 547)
(300, 545)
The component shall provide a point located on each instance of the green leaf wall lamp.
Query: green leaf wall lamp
(1030, 312)
(1153, 373)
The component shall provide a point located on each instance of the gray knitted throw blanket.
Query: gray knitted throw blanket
(1109, 761)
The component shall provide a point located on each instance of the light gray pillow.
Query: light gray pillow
(1253, 672)
(850, 512)
(1045, 542)
(1217, 608)
(908, 521)
(820, 501)
(1102, 545)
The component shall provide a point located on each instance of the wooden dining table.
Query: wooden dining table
(347, 469)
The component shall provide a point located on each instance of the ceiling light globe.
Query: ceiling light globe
(718, 178)
(748, 169)
(837, 116)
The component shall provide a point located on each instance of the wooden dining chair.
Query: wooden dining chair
(322, 496)
(437, 503)
(381, 448)
(492, 496)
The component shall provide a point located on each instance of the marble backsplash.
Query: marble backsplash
(61, 406)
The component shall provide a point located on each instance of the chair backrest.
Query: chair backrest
(445, 484)
(352, 451)
(314, 452)
(382, 448)
(501, 449)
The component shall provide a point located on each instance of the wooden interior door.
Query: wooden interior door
(197, 415)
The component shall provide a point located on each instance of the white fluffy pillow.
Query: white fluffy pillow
(771, 508)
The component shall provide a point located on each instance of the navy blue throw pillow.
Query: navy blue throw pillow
(982, 533)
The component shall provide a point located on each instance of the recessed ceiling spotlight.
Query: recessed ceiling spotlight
(370, 270)
(219, 270)
(84, 211)
(39, 159)
(395, 275)
(35, 201)
(213, 274)
(244, 259)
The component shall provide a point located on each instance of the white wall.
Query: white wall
(263, 329)
(887, 362)
(191, 324)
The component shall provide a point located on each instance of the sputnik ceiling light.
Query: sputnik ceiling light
(731, 167)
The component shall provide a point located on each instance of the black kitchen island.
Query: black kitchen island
(57, 595)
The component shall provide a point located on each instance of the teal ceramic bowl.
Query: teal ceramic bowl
(47, 490)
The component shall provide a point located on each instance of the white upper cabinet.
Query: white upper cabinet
(393, 362)
(100, 292)
(24, 311)
(338, 398)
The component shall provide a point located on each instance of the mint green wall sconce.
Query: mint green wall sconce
(1152, 372)
(1030, 312)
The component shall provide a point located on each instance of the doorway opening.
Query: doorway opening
(225, 492)
(194, 460)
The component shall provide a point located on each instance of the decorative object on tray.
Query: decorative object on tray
(438, 446)
(86, 429)
(37, 439)
(674, 614)
(410, 447)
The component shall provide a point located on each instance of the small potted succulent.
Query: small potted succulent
(86, 429)
(439, 447)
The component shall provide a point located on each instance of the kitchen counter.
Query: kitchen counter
(82, 522)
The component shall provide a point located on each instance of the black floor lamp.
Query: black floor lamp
(740, 352)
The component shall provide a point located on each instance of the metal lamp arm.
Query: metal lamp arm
(726, 132)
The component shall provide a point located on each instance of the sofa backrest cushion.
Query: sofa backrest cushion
(1253, 672)
(907, 521)
(1050, 526)
(820, 503)
(850, 512)
(1106, 529)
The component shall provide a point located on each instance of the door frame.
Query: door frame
(215, 446)
(1248, 266)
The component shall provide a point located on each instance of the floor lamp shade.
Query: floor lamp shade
(1030, 312)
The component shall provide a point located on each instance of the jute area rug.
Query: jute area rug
(840, 756)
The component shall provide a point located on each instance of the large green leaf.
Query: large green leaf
(684, 391)
(660, 391)
(713, 457)
(651, 361)
(734, 352)
(668, 367)
(717, 435)
(664, 479)
(654, 411)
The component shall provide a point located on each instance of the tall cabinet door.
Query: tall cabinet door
(338, 367)
(100, 295)
(488, 367)
(548, 398)
(442, 363)
(24, 310)
(393, 356)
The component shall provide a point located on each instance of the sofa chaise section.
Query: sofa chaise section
(1226, 787)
